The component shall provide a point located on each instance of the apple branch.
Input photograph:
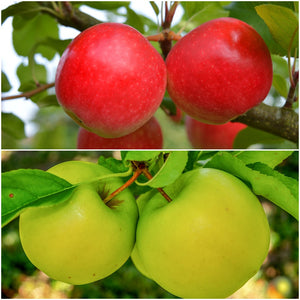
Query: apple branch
(31, 93)
(280, 121)
(166, 43)
(68, 15)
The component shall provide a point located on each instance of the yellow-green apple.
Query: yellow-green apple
(219, 70)
(82, 239)
(110, 79)
(209, 136)
(149, 136)
(208, 241)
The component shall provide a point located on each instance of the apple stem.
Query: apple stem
(130, 181)
(149, 176)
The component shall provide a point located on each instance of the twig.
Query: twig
(289, 57)
(166, 43)
(31, 93)
(70, 16)
(149, 176)
(290, 98)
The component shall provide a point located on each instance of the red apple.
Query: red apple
(219, 70)
(110, 79)
(148, 136)
(208, 136)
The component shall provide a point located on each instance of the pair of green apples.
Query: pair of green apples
(206, 243)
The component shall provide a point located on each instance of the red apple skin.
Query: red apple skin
(110, 79)
(208, 136)
(219, 70)
(148, 136)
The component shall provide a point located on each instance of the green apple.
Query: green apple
(82, 239)
(206, 243)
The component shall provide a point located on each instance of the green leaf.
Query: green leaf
(25, 75)
(134, 20)
(251, 136)
(290, 182)
(198, 12)
(114, 165)
(193, 157)
(170, 170)
(270, 158)
(139, 155)
(267, 186)
(280, 75)
(155, 7)
(27, 187)
(282, 23)
(280, 84)
(12, 126)
(169, 105)
(56, 44)
(5, 85)
(280, 66)
(26, 35)
(28, 9)
(45, 101)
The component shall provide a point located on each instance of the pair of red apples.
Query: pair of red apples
(111, 80)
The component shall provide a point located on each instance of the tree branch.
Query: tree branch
(31, 93)
(166, 43)
(70, 16)
(281, 121)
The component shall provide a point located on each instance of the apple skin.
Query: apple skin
(219, 70)
(149, 136)
(206, 243)
(82, 239)
(110, 79)
(209, 136)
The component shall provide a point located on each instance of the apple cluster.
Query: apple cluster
(206, 243)
(111, 80)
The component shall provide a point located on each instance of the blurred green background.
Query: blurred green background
(278, 277)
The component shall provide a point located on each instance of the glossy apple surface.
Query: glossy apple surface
(110, 79)
(206, 243)
(208, 136)
(219, 70)
(149, 136)
(82, 239)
